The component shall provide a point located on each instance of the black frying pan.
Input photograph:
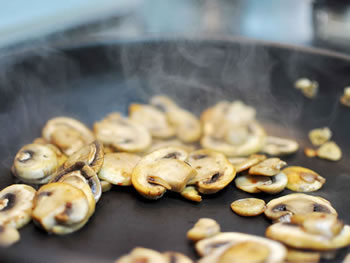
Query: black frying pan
(89, 80)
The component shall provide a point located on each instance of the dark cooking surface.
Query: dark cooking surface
(93, 80)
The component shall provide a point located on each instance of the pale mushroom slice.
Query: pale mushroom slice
(242, 163)
(254, 142)
(248, 206)
(68, 134)
(35, 163)
(214, 171)
(8, 235)
(301, 179)
(174, 142)
(276, 146)
(330, 151)
(345, 99)
(117, 168)
(91, 154)
(61, 157)
(308, 87)
(60, 208)
(284, 207)
(122, 134)
(268, 167)
(295, 236)
(258, 183)
(16, 203)
(302, 256)
(214, 117)
(153, 119)
(191, 193)
(176, 257)
(203, 228)
(105, 186)
(320, 136)
(140, 254)
(213, 247)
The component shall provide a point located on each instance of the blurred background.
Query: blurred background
(321, 23)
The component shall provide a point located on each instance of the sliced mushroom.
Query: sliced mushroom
(248, 206)
(326, 225)
(175, 257)
(60, 208)
(203, 228)
(345, 99)
(122, 134)
(276, 146)
(153, 119)
(91, 154)
(302, 256)
(212, 248)
(214, 171)
(214, 117)
(253, 143)
(162, 170)
(301, 179)
(16, 202)
(61, 157)
(258, 183)
(191, 193)
(143, 255)
(309, 152)
(320, 136)
(85, 171)
(68, 134)
(294, 236)
(268, 167)
(105, 186)
(284, 207)
(308, 87)
(158, 144)
(8, 235)
(330, 151)
(163, 103)
(35, 163)
(242, 164)
(117, 168)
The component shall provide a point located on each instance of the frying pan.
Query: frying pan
(88, 79)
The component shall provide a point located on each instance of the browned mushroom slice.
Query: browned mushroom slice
(309, 152)
(330, 151)
(269, 167)
(204, 228)
(214, 117)
(91, 154)
(158, 144)
(248, 206)
(294, 236)
(276, 146)
(143, 255)
(175, 257)
(35, 163)
(191, 193)
(117, 168)
(284, 207)
(8, 235)
(302, 256)
(16, 202)
(320, 136)
(242, 164)
(258, 183)
(214, 247)
(122, 134)
(301, 179)
(214, 171)
(60, 208)
(67, 134)
(154, 120)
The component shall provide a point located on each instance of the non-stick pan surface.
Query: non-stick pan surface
(87, 81)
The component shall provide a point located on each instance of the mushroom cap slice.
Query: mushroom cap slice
(203, 228)
(158, 144)
(16, 203)
(248, 206)
(60, 208)
(329, 151)
(241, 163)
(175, 257)
(302, 256)
(8, 235)
(214, 171)
(153, 119)
(117, 168)
(301, 179)
(320, 136)
(191, 193)
(91, 154)
(35, 163)
(291, 204)
(106, 186)
(214, 117)
(68, 134)
(258, 183)
(122, 134)
(276, 146)
(294, 236)
(268, 167)
(214, 246)
(253, 143)
(140, 254)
